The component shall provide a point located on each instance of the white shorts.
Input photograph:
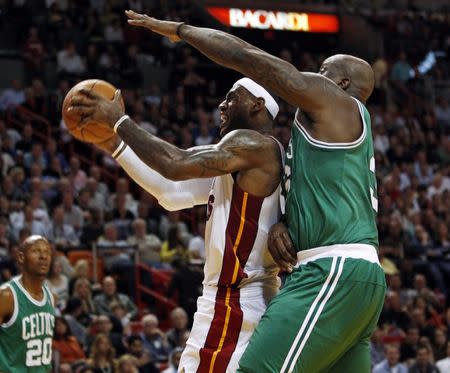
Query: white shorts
(223, 324)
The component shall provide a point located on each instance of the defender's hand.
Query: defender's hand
(164, 28)
(281, 247)
(93, 107)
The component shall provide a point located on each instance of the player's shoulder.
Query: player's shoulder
(246, 138)
(6, 300)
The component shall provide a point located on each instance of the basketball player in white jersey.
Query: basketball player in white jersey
(239, 180)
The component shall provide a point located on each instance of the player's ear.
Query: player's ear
(20, 256)
(259, 104)
(344, 83)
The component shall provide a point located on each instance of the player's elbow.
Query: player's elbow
(175, 173)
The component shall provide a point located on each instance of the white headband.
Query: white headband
(258, 91)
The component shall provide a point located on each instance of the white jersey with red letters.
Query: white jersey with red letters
(236, 235)
(240, 277)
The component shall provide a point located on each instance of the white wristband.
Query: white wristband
(119, 149)
(120, 121)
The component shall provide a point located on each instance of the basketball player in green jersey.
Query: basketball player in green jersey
(27, 315)
(322, 318)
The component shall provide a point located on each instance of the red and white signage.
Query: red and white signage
(276, 20)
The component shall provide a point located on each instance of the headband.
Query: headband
(258, 91)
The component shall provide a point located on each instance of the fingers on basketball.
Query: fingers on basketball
(81, 126)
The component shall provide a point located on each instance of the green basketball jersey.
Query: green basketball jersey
(26, 339)
(330, 189)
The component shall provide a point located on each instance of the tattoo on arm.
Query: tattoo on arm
(239, 150)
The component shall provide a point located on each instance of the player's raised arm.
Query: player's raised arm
(309, 91)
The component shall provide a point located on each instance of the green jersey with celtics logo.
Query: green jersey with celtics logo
(330, 189)
(26, 338)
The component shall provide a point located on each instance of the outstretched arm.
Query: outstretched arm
(309, 91)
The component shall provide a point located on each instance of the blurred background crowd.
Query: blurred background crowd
(126, 272)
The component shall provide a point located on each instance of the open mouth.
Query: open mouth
(223, 120)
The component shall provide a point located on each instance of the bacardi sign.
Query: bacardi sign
(276, 20)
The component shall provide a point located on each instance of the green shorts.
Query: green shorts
(321, 320)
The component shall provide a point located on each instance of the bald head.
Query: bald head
(352, 74)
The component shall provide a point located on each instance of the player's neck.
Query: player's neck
(33, 284)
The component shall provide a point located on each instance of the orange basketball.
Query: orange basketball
(92, 132)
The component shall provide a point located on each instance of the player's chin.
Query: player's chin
(224, 129)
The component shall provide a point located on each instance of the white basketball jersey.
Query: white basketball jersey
(236, 235)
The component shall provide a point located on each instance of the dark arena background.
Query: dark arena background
(108, 233)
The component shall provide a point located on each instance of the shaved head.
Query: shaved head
(351, 73)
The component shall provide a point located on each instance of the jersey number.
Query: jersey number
(39, 352)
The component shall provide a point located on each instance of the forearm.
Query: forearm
(230, 51)
(154, 152)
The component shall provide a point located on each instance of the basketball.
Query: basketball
(92, 132)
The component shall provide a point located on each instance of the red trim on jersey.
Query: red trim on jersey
(231, 232)
(254, 205)
(247, 238)
(223, 333)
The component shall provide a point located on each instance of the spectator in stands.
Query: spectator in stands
(13, 96)
(72, 213)
(173, 218)
(77, 176)
(97, 198)
(376, 346)
(444, 364)
(127, 364)
(82, 290)
(392, 362)
(102, 355)
(196, 246)
(179, 321)
(109, 295)
(26, 142)
(110, 240)
(101, 187)
(148, 245)
(65, 343)
(73, 310)
(439, 344)
(30, 223)
(409, 347)
(103, 324)
(173, 249)
(394, 313)
(174, 361)
(58, 283)
(123, 188)
(35, 156)
(92, 227)
(80, 270)
(153, 339)
(423, 361)
(143, 358)
(70, 65)
(61, 234)
(122, 217)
